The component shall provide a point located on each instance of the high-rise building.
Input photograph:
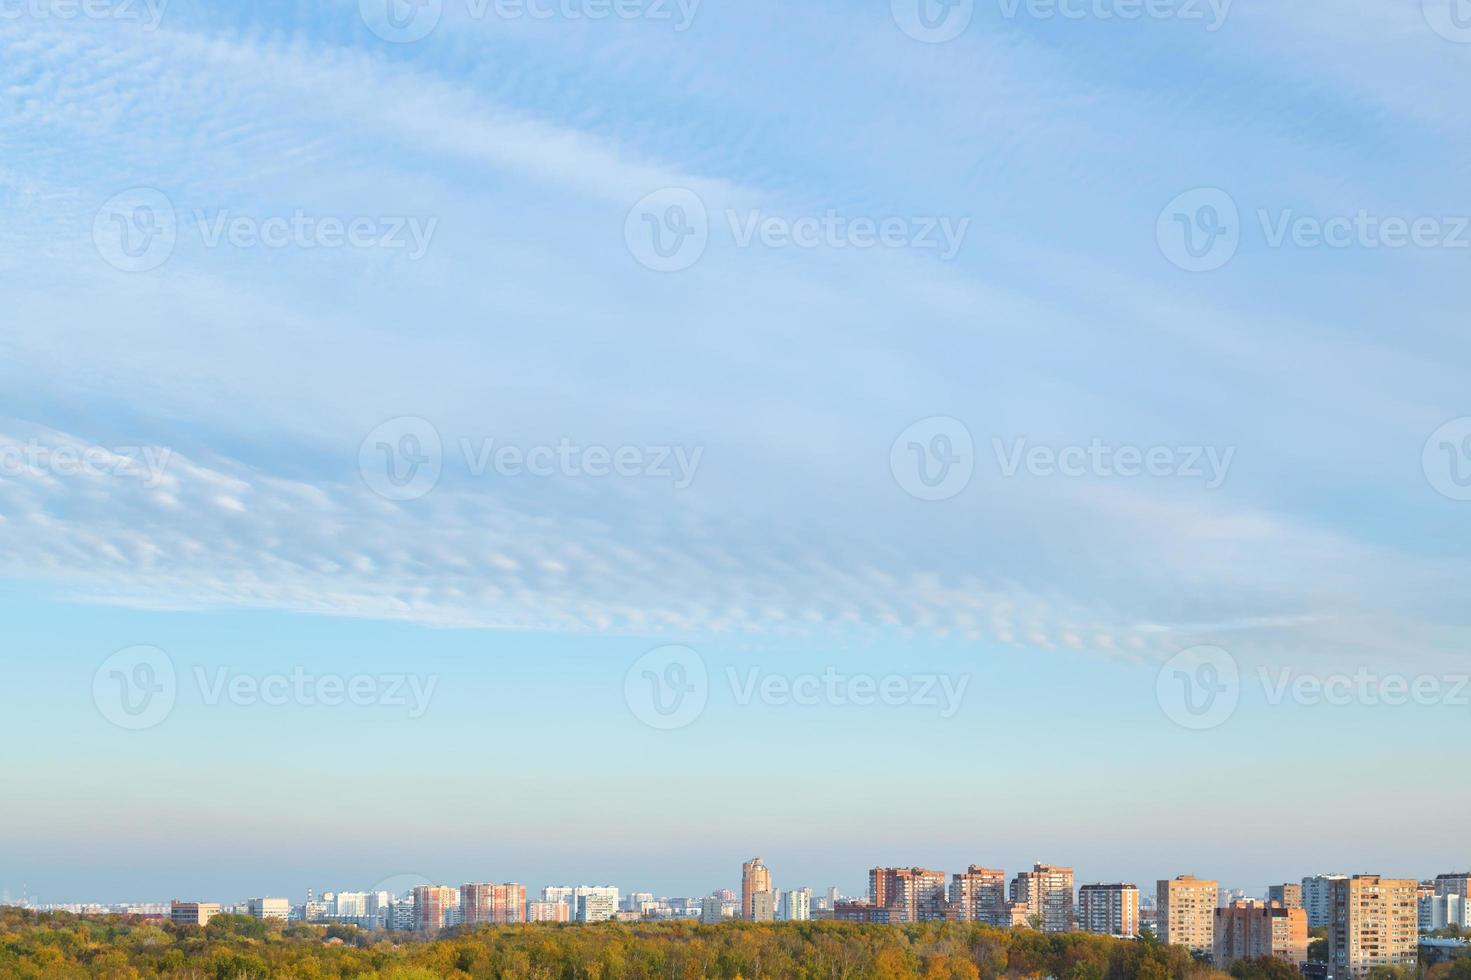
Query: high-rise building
(914, 894)
(495, 904)
(434, 907)
(711, 910)
(864, 912)
(192, 913)
(1442, 911)
(1288, 895)
(1455, 883)
(548, 912)
(1373, 922)
(796, 905)
(270, 908)
(350, 904)
(1317, 898)
(979, 895)
(1250, 930)
(763, 907)
(597, 904)
(755, 877)
(1112, 910)
(1047, 891)
(1185, 912)
(557, 893)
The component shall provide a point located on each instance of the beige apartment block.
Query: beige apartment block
(1186, 912)
(1112, 910)
(1251, 930)
(1047, 891)
(979, 895)
(1374, 921)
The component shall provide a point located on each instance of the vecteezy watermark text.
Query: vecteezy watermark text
(1098, 458)
(1201, 230)
(1200, 687)
(669, 688)
(309, 689)
(407, 21)
(33, 457)
(137, 688)
(670, 229)
(938, 21)
(138, 230)
(149, 13)
(404, 459)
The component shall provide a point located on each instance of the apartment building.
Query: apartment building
(492, 904)
(979, 895)
(269, 908)
(796, 905)
(1109, 909)
(1251, 929)
(1185, 909)
(1373, 921)
(1288, 895)
(1047, 892)
(915, 894)
(755, 878)
(1456, 883)
(192, 913)
(1317, 898)
(435, 906)
(548, 912)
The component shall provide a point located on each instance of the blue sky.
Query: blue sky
(1325, 381)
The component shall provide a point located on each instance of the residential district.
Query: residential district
(1330, 926)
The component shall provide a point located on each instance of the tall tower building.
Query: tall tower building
(1251, 930)
(1112, 910)
(1186, 912)
(495, 904)
(979, 895)
(1374, 921)
(433, 906)
(1317, 898)
(1047, 892)
(911, 894)
(755, 877)
(1288, 895)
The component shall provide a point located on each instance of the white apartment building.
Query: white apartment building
(270, 908)
(1317, 898)
(796, 905)
(350, 903)
(1440, 911)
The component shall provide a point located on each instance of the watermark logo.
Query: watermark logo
(667, 688)
(934, 458)
(402, 458)
(668, 230)
(1363, 687)
(136, 687)
(33, 457)
(1446, 459)
(1098, 458)
(1200, 230)
(401, 21)
(942, 692)
(1451, 19)
(933, 21)
(1199, 687)
(136, 230)
(310, 690)
(149, 13)
(1211, 12)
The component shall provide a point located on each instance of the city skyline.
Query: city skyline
(596, 441)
